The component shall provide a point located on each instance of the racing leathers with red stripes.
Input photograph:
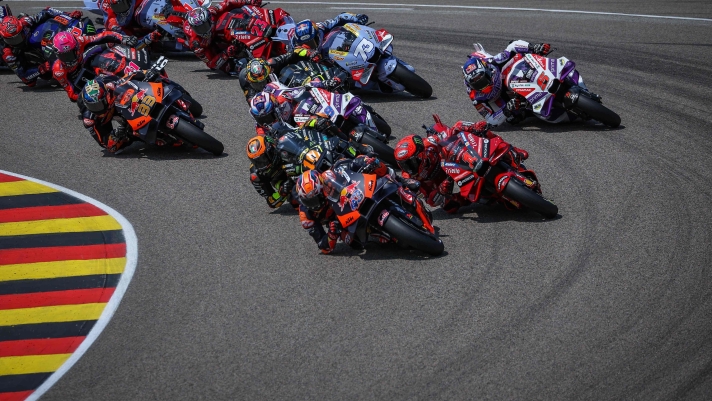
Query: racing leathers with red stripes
(66, 74)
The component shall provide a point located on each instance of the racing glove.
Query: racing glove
(332, 84)
(76, 14)
(435, 198)
(275, 200)
(129, 41)
(44, 68)
(285, 188)
(362, 19)
(541, 49)
(413, 185)
(513, 107)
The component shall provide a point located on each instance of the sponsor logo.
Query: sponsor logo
(501, 182)
(465, 180)
(356, 199)
(346, 194)
(88, 122)
(172, 122)
(402, 153)
(382, 218)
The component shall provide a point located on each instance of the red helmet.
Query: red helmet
(407, 151)
(12, 31)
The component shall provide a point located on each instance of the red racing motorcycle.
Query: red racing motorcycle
(495, 173)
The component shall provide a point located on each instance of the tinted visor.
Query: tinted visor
(15, 40)
(202, 29)
(263, 161)
(69, 58)
(313, 203)
(96, 107)
(120, 6)
(480, 81)
(410, 166)
(266, 119)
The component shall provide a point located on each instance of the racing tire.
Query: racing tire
(598, 112)
(412, 237)
(530, 199)
(384, 152)
(196, 109)
(413, 83)
(196, 136)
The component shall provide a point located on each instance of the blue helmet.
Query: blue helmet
(482, 76)
(305, 34)
(263, 107)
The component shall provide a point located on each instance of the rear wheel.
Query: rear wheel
(196, 136)
(412, 82)
(412, 237)
(384, 152)
(530, 199)
(598, 112)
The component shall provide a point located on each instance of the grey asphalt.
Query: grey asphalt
(231, 301)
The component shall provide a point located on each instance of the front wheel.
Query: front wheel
(411, 81)
(196, 136)
(530, 199)
(598, 112)
(412, 237)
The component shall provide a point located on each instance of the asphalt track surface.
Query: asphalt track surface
(231, 300)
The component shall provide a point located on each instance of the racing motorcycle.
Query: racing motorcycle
(159, 109)
(37, 50)
(250, 27)
(121, 60)
(360, 51)
(366, 204)
(345, 110)
(150, 18)
(498, 174)
(306, 149)
(550, 86)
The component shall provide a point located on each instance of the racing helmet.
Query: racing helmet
(11, 31)
(95, 96)
(305, 34)
(264, 108)
(262, 152)
(120, 6)
(310, 190)
(481, 75)
(258, 71)
(199, 19)
(66, 45)
(407, 151)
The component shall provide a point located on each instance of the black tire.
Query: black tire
(412, 82)
(530, 199)
(598, 112)
(196, 109)
(384, 152)
(412, 237)
(196, 136)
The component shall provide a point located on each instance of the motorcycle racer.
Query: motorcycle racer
(421, 160)
(256, 74)
(310, 34)
(15, 31)
(267, 174)
(97, 112)
(70, 54)
(201, 26)
(314, 190)
(484, 78)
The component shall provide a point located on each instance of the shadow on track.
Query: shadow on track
(492, 214)
(536, 125)
(140, 150)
